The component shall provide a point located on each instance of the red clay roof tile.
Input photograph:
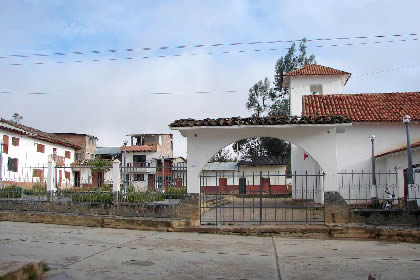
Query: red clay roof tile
(140, 148)
(397, 150)
(365, 107)
(35, 133)
(315, 69)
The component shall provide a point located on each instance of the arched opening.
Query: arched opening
(251, 180)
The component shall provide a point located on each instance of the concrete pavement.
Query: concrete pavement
(103, 253)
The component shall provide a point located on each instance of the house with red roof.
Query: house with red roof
(317, 91)
(147, 159)
(25, 152)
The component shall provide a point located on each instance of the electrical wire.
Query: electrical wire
(222, 53)
(62, 53)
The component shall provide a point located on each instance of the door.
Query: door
(242, 185)
(266, 185)
(223, 185)
(60, 178)
(97, 179)
(76, 178)
(151, 182)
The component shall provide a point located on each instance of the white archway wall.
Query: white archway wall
(203, 142)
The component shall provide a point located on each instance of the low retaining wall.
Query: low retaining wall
(186, 208)
(385, 217)
(336, 208)
(338, 211)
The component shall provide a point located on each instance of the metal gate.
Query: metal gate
(260, 197)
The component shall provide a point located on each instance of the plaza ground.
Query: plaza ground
(103, 253)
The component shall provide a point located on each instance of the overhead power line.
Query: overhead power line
(130, 50)
(211, 53)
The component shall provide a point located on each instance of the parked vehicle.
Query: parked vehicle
(387, 203)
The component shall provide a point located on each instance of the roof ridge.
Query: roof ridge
(362, 93)
(30, 130)
(316, 66)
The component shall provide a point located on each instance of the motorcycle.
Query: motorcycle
(387, 203)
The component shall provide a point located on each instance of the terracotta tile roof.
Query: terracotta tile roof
(397, 150)
(140, 148)
(365, 107)
(35, 133)
(317, 70)
(271, 120)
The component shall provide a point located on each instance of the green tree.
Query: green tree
(16, 117)
(263, 100)
(223, 155)
(291, 61)
(260, 99)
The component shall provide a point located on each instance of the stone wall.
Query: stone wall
(385, 217)
(336, 208)
(337, 211)
(185, 208)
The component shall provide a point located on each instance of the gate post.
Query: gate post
(50, 179)
(115, 179)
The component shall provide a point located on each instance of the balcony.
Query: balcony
(140, 167)
(59, 160)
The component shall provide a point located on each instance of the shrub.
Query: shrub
(140, 197)
(11, 191)
(106, 188)
(175, 192)
(95, 196)
(37, 189)
(131, 189)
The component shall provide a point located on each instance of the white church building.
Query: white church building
(317, 90)
(330, 134)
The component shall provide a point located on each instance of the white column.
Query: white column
(400, 181)
(51, 176)
(116, 176)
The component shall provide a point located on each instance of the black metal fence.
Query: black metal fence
(153, 176)
(358, 190)
(257, 197)
(99, 196)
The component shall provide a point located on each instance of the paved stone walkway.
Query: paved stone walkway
(102, 253)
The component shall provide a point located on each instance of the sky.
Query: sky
(113, 98)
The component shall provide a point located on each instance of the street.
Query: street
(103, 253)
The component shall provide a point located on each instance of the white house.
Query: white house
(317, 90)
(245, 176)
(26, 152)
(147, 161)
(330, 135)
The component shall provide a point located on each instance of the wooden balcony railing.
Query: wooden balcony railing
(59, 160)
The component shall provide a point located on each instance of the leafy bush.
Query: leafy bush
(92, 196)
(131, 189)
(141, 197)
(11, 191)
(106, 188)
(37, 189)
(175, 192)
